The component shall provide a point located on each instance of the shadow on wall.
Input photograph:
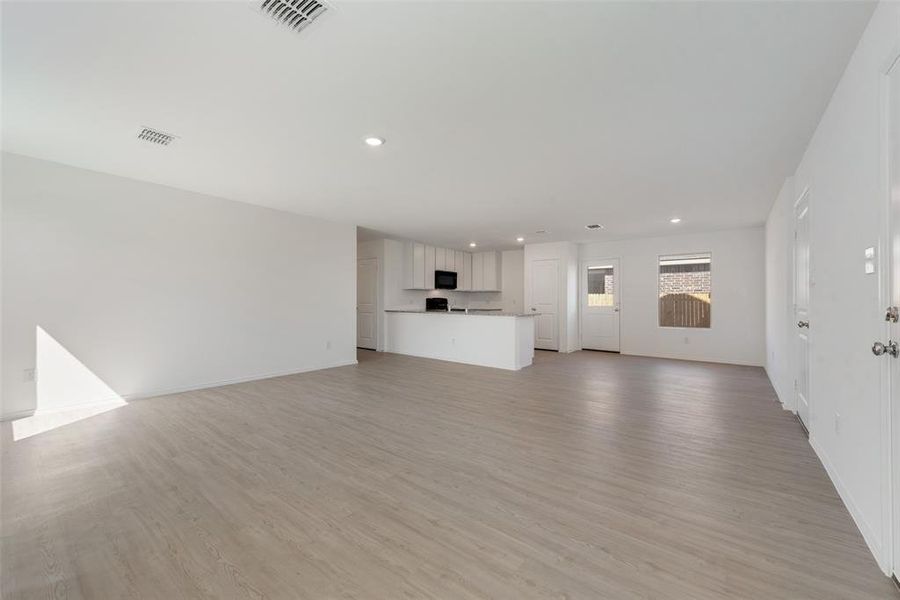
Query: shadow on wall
(67, 391)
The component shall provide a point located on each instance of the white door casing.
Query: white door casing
(892, 264)
(545, 300)
(600, 307)
(801, 306)
(366, 300)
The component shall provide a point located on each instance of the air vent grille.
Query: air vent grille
(156, 137)
(294, 14)
(593, 226)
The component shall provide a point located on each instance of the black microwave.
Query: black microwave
(444, 280)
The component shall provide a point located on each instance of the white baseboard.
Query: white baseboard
(784, 400)
(19, 414)
(871, 538)
(223, 382)
(739, 363)
(16, 414)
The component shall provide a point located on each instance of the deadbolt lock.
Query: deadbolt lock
(892, 314)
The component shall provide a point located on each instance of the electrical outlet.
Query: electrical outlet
(328, 345)
(28, 375)
(837, 423)
(687, 340)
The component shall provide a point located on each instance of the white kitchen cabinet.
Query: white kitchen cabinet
(429, 267)
(413, 266)
(460, 264)
(485, 272)
(491, 263)
(477, 272)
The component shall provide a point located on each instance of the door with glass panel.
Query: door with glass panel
(600, 304)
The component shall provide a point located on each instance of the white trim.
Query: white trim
(870, 536)
(191, 388)
(739, 363)
(889, 437)
(778, 393)
(16, 414)
(792, 332)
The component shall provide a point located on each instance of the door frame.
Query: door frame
(530, 302)
(378, 311)
(803, 196)
(582, 289)
(890, 396)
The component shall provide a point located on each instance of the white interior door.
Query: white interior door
(545, 300)
(366, 299)
(893, 103)
(801, 305)
(600, 304)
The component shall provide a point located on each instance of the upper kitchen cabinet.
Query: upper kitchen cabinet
(418, 266)
(430, 254)
(414, 266)
(463, 271)
(479, 272)
(486, 272)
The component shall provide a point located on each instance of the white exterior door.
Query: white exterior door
(545, 300)
(600, 304)
(366, 298)
(801, 305)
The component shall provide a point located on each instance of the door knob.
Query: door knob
(803, 324)
(533, 309)
(891, 348)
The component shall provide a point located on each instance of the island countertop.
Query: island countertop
(475, 312)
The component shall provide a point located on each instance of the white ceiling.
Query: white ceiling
(501, 118)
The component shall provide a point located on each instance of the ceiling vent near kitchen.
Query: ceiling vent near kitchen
(293, 14)
(594, 226)
(156, 137)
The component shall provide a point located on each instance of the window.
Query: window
(684, 290)
(601, 282)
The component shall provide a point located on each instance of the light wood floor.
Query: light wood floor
(584, 476)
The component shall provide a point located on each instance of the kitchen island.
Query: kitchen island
(490, 339)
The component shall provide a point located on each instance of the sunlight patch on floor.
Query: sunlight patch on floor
(67, 391)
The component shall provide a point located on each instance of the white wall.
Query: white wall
(512, 287)
(737, 334)
(155, 289)
(780, 351)
(842, 167)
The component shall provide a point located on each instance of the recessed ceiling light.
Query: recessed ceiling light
(472, 244)
(675, 220)
(594, 226)
(520, 239)
(374, 141)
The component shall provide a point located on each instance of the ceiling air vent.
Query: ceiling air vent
(594, 226)
(156, 137)
(294, 14)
